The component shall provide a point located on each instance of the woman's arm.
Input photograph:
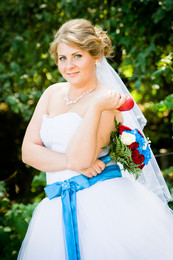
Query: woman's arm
(94, 131)
(34, 152)
(86, 144)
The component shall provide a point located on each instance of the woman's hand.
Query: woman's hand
(110, 100)
(94, 169)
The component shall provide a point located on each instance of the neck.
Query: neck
(71, 100)
(78, 89)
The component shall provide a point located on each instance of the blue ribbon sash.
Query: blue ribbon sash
(67, 190)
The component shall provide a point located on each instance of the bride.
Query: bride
(93, 211)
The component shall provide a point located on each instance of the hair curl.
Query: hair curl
(82, 34)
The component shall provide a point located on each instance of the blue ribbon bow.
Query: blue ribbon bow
(67, 190)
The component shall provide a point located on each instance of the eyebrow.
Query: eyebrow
(72, 53)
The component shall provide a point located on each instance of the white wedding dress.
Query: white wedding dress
(118, 219)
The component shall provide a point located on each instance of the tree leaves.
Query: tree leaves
(165, 104)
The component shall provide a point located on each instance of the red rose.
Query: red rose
(133, 146)
(141, 166)
(137, 158)
(123, 128)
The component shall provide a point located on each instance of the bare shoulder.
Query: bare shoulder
(56, 88)
(46, 99)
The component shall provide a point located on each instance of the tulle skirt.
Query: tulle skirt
(118, 219)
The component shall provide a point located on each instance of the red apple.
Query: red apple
(128, 104)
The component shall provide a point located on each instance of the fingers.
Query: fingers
(95, 169)
(118, 99)
(93, 172)
(101, 164)
(89, 175)
(89, 172)
(122, 100)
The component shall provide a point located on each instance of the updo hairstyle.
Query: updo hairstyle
(82, 34)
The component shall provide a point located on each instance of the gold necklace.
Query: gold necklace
(69, 101)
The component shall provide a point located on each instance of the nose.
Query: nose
(69, 64)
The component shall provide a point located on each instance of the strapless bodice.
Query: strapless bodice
(55, 134)
(57, 131)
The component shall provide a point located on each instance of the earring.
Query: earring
(97, 63)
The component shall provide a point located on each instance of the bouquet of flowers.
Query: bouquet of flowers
(129, 148)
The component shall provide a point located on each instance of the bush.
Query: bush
(15, 217)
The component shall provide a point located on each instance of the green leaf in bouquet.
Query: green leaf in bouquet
(121, 153)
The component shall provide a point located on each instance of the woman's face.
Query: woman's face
(76, 66)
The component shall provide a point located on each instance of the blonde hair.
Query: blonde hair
(82, 34)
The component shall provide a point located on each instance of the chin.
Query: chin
(74, 80)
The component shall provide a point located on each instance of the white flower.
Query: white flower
(148, 142)
(128, 138)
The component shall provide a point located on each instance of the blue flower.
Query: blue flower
(147, 155)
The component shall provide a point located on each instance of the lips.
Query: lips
(72, 74)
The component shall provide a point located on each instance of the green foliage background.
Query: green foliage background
(141, 33)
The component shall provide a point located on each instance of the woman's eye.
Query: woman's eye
(77, 56)
(62, 58)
